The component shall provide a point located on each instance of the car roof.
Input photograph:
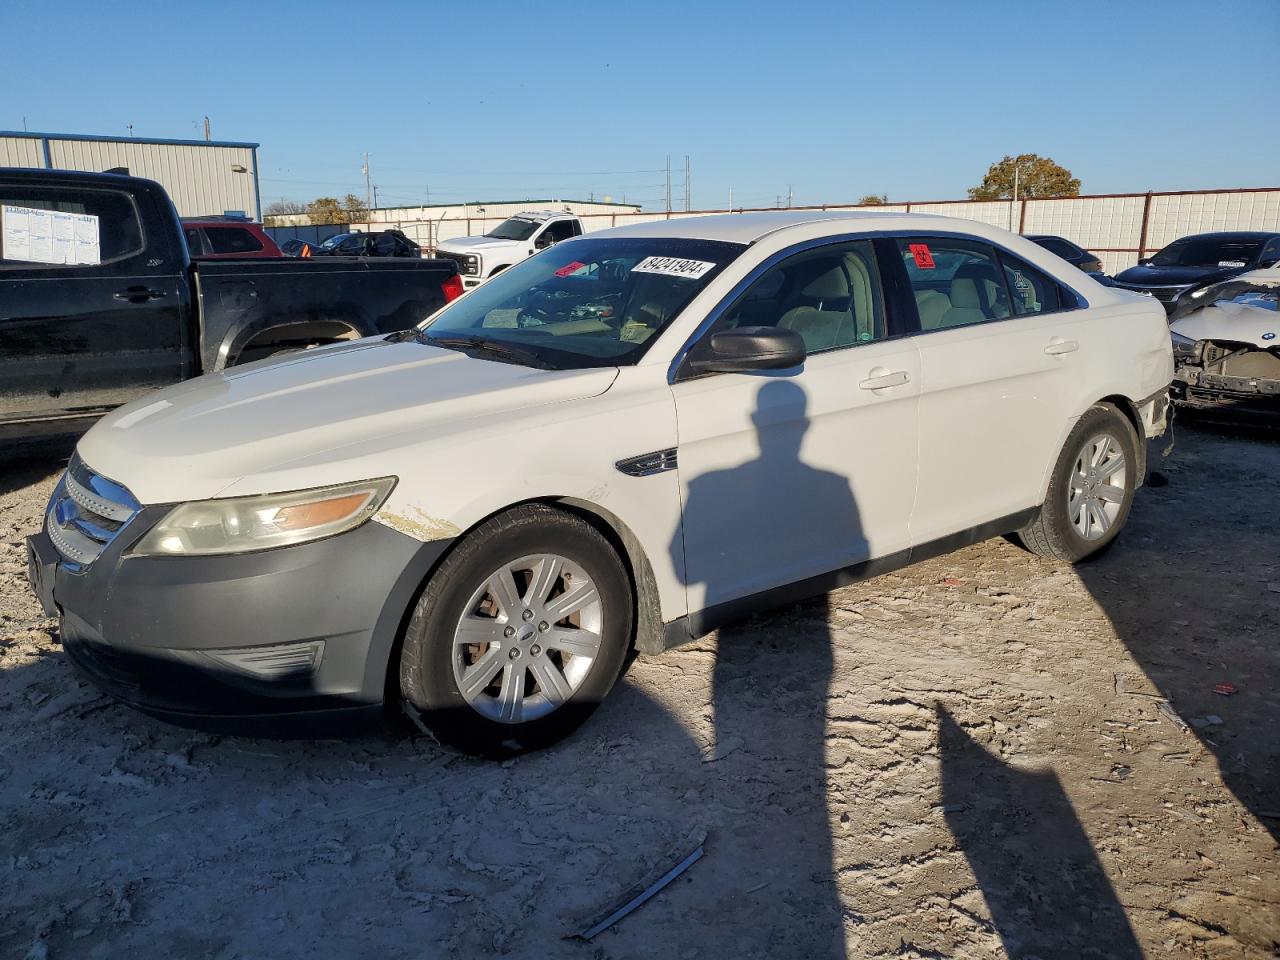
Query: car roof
(1231, 235)
(750, 227)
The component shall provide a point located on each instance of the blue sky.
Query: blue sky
(541, 100)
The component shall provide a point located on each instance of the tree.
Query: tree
(1037, 177)
(325, 210)
(283, 207)
(873, 200)
(355, 209)
(329, 210)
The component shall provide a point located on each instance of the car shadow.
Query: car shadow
(31, 461)
(1200, 621)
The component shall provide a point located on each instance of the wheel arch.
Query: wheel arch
(1127, 409)
(647, 624)
(289, 331)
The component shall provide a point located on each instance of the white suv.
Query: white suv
(624, 441)
(515, 239)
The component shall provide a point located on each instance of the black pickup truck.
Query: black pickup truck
(100, 301)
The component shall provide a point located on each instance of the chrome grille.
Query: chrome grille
(86, 513)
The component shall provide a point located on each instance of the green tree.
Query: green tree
(873, 200)
(1037, 177)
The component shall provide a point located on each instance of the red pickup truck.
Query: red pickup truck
(214, 238)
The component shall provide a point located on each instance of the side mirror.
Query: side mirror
(544, 241)
(1268, 263)
(1143, 261)
(750, 348)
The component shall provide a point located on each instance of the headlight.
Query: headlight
(1184, 348)
(473, 263)
(246, 524)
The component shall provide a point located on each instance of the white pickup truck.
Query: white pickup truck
(516, 238)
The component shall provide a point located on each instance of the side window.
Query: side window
(956, 283)
(352, 246)
(1031, 290)
(830, 296)
(561, 230)
(232, 240)
(1270, 253)
(195, 246)
(54, 226)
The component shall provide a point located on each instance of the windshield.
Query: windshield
(517, 228)
(586, 303)
(1209, 252)
(334, 241)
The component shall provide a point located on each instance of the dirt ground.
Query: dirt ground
(965, 759)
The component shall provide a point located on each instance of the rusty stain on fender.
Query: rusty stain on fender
(418, 524)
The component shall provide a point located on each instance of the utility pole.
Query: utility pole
(368, 187)
(668, 183)
(1013, 204)
(790, 196)
(731, 199)
(687, 185)
(207, 133)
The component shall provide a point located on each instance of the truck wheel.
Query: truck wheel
(519, 635)
(1091, 491)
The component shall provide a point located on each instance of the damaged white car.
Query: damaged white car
(1226, 343)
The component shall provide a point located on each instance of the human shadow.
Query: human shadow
(1045, 889)
(774, 729)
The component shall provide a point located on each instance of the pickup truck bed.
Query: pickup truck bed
(85, 330)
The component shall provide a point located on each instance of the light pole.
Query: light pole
(1017, 167)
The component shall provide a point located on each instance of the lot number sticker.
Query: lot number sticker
(924, 259)
(673, 267)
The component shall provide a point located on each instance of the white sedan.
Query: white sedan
(622, 442)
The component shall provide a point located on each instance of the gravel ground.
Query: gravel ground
(965, 759)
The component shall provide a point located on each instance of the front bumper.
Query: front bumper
(1193, 387)
(296, 639)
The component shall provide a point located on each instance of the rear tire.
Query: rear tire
(519, 635)
(1091, 491)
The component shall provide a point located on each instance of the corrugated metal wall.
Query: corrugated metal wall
(20, 152)
(202, 178)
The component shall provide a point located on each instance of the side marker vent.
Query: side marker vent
(647, 464)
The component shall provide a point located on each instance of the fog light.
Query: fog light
(288, 662)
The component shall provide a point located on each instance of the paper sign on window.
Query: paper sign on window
(32, 235)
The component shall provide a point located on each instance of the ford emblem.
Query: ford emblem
(1268, 336)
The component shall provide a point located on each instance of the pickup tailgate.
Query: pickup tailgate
(240, 299)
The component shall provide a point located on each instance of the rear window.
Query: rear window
(1059, 246)
(1209, 252)
(53, 226)
(230, 240)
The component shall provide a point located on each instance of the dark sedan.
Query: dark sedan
(387, 243)
(1068, 251)
(1199, 260)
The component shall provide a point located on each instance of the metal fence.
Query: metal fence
(1120, 228)
(314, 234)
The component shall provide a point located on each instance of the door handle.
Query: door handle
(1058, 347)
(139, 294)
(881, 378)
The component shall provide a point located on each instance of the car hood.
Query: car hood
(1232, 322)
(317, 413)
(1152, 276)
(471, 244)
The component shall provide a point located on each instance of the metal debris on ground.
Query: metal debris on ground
(1171, 715)
(1226, 688)
(644, 891)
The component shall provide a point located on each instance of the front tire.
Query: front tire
(519, 635)
(1091, 491)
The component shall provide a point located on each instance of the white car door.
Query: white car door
(999, 350)
(787, 475)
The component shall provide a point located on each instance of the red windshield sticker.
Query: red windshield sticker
(570, 268)
(924, 259)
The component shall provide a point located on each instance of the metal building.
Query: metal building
(202, 176)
